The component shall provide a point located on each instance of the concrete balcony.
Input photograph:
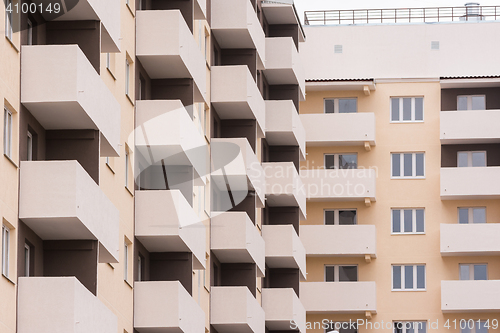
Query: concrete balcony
(165, 222)
(243, 173)
(282, 12)
(339, 129)
(167, 49)
(470, 296)
(63, 91)
(284, 127)
(339, 297)
(339, 184)
(235, 239)
(165, 306)
(108, 12)
(470, 127)
(470, 239)
(235, 309)
(284, 248)
(60, 304)
(470, 183)
(282, 307)
(284, 187)
(339, 240)
(59, 201)
(235, 94)
(165, 131)
(235, 25)
(283, 65)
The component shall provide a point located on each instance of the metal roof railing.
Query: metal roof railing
(402, 15)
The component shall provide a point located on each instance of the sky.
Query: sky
(303, 5)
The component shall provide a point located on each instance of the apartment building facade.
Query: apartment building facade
(401, 175)
(144, 145)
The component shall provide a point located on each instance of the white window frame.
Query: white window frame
(9, 18)
(336, 217)
(125, 261)
(5, 250)
(139, 268)
(476, 322)
(340, 328)
(7, 132)
(30, 32)
(412, 120)
(29, 152)
(414, 278)
(336, 104)
(402, 222)
(336, 272)
(415, 329)
(469, 158)
(127, 161)
(469, 102)
(27, 256)
(471, 271)
(402, 166)
(336, 160)
(127, 77)
(471, 215)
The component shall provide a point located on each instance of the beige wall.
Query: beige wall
(398, 249)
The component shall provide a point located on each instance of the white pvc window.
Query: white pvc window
(125, 262)
(29, 148)
(9, 10)
(127, 77)
(7, 132)
(407, 109)
(410, 327)
(471, 102)
(408, 277)
(471, 215)
(341, 105)
(30, 32)
(5, 250)
(473, 271)
(127, 162)
(27, 255)
(408, 221)
(471, 159)
(341, 273)
(341, 327)
(408, 165)
(341, 161)
(340, 217)
(477, 326)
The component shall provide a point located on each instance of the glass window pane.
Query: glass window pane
(396, 220)
(408, 214)
(396, 165)
(462, 103)
(464, 272)
(348, 105)
(463, 159)
(396, 277)
(408, 277)
(479, 215)
(329, 273)
(407, 109)
(398, 327)
(463, 215)
(420, 277)
(479, 159)
(420, 165)
(329, 106)
(420, 220)
(347, 217)
(348, 161)
(422, 327)
(329, 161)
(409, 327)
(395, 109)
(348, 273)
(419, 108)
(466, 329)
(329, 217)
(478, 103)
(480, 272)
(408, 165)
(481, 327)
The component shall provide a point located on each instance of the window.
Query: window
(410, 326)
(407, 109)
(341, 105)
(127, 161)
(8, 18)
(476, 326)
(340, 217)
(471, 102)
(140, 260)
(408, 221)
(341, 161)
(342, 327)
(108, 60)
(471, 159)
(30, 32)
(7, 132)
(473, 271)
(408, 277)
(27, 254)
(127, 77)
(29, 148)
(472, 215)
(341, 273)
(125, 262)
(5, 250)
(408, 165)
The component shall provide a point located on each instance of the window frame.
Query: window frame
(341, 328)
(415, 281)
(9, 19)
(27, 256)
(401, 166)
(473, 329)
(336, 272)
(401, 113)
(7, 132)
(29, 147)
(469, 102)
(29, 32)
(127, 171)
(471, 271)
(404, 329)
(336, 104)
(336, 218)
(127, 77)
(469, 158)
(5, 250)
(336, 160)
(401, 221)
(125, 261)
(471, 215)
